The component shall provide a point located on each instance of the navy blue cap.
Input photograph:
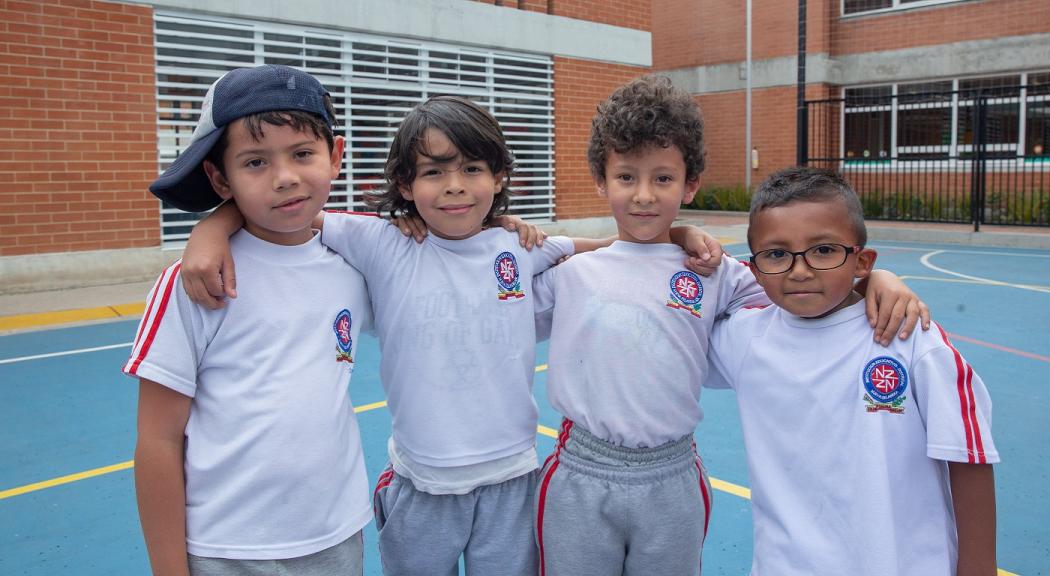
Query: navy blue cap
(238, 93)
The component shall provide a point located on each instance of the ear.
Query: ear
(865, 263)
(406, 192)
(691, 186)
(601, 184)
(218, 181)
(338, 145)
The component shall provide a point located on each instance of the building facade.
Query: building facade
(99, 96)
(894, 88)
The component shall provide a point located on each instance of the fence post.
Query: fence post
(977, 166)
(802, 120)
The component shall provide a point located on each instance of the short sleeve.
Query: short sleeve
(738, 289)
(358, 238)
(171, 337)
(554, 248)
(954, 404)
(543, 298)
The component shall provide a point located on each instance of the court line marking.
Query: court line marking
(22, 321)
(957, 251)
(925, 261)
(65, 353)
(70, 478)
(721, 485)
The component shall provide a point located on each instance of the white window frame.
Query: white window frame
(399, 72)
(954, 148)
(898, 6)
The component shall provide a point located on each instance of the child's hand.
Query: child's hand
(528, 234)
(891, 305)
(704, 251)
(207, 268)
(411, 225)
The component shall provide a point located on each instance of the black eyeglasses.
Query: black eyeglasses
(819, 257)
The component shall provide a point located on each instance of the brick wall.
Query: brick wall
(772, 133)
(77, 127)
(691, 33)
(579, 86)
(974, 20)
(704, 32)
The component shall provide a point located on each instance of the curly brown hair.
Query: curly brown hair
(648, 111)
(473, 131)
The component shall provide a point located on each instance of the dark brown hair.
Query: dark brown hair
(805, 184)
(648, 111)
(470, 128)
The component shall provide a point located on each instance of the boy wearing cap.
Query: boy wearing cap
(249, 457)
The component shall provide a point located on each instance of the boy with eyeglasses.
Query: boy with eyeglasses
(625, 491)
(864, 460)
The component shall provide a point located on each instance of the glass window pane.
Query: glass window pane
(1037, 130)
(854, 6)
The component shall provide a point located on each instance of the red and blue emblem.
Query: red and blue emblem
(343, 341)
(508, 276)
(885, 381)
(686, 292)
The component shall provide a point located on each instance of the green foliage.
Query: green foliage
(880, 205)
(1001, 207)
(734, 199)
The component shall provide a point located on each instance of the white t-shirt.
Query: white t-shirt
(847, 441)
(273, 463)
(629, 328)
(455, 321)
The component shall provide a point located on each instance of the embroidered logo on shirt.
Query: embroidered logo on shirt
(507, 276)
(343, 341)
(686, 292)
(885, 381)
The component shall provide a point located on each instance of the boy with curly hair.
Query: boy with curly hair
(628, 353)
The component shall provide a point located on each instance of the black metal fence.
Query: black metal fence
(979, 154)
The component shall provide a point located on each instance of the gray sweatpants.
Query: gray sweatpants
(343, 559)
(607, 510)
(424, 534)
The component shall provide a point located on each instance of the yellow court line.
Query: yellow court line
(65, 479)
(22, 321)
(722, 485)
(113, 468)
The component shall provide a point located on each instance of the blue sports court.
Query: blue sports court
(67, 503)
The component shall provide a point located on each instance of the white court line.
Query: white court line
(980, 252)
(66, 353)
(925, 260)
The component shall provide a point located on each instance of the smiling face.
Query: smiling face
(645, 190)
(280, 182)
(452, 194)
(798, 226)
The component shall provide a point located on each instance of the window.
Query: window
(868, 124)
(850, 7)
(374, 82)
(1037, 119)
(924, 120)
(1003, 104)
(934, 121)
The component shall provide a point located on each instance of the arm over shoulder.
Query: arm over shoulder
(738, 287)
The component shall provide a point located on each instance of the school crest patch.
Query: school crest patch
(508, 277)
(885, 381)
(686, 292)
(343, 341)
